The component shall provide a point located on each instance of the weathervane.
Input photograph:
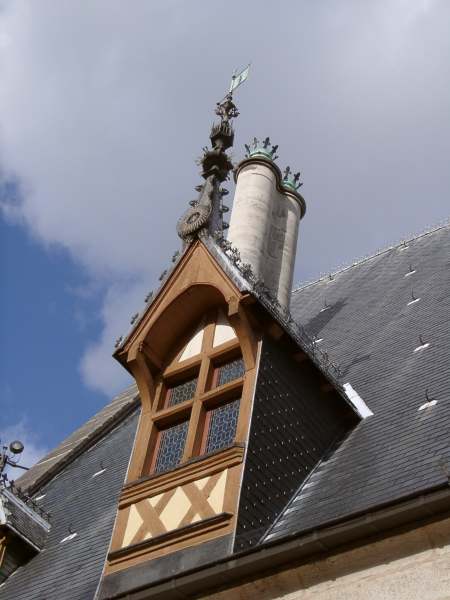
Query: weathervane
(206, 212)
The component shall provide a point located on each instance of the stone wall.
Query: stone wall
(413, 565)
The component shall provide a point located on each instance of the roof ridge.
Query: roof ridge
(442, 225)
(107, 419)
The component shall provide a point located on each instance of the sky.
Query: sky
(104, 109)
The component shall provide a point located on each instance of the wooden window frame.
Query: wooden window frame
(205, 367)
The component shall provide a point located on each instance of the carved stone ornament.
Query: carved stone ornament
(196, 217)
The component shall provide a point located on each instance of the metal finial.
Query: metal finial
(203, 214)
(134, 318)
(163, 274)
(226, 109)
(287, 172)
(118, 341)
(148, 297)
(175, 256)
(266, 142)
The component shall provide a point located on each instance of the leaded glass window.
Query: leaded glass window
(181, 392)
(231, 371)
(222, 426)
(171, 446)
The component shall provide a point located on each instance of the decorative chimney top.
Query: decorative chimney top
(290, 181)
(258, 148)
(267, 210)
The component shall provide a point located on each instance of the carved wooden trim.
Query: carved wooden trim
(196, 468)
(195, 292)
(186, 536)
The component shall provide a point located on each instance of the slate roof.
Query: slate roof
(373, 328)
(79, 440)
(368, 326)
(85, 505)
(22, 519)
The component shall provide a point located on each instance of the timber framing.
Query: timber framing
(148, 523)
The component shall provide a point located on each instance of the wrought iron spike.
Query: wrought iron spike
(287, 172)
(266, 142)
(118, 341)
(175, 256)
(163, 274)
(134, 318)
(148, 297)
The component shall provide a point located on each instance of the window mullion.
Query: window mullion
(194, 429)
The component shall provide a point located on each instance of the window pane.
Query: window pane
(182, 392)
(222, 426)
(231, 371)
(171, 446)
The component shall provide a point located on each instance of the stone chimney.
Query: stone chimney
(264, 222)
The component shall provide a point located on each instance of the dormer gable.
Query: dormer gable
(217, 376)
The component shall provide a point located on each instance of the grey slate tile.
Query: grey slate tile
(372, 332)
(72, 569)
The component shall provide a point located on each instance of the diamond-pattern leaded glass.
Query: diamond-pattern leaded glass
(182, 392)
(231, 371)
(222, 426)
(171, 446)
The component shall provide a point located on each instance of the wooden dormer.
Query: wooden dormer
(193, 356)
(235, 416)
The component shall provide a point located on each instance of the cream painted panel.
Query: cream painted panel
(194, 345)
(133, 524)
(218, 493)
(196, 518)
(155, 499)
(175, 510)
(223, 331)
(200, 483)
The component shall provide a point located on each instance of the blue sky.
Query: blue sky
(46, 324)
(103, 111)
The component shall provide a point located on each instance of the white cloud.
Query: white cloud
(34, 450)
(105, 105)
(97, 367)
